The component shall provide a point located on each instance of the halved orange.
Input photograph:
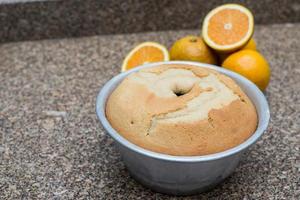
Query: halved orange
(146, 52)
(228, 27)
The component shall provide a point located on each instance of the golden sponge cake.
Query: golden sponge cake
(181, 110)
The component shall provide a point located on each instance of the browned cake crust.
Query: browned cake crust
(212, 113)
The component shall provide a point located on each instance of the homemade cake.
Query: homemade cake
(181, 110)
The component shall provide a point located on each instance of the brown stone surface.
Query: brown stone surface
(53, 147)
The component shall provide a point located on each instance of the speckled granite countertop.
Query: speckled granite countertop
(67, 155)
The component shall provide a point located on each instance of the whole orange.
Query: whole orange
(192, 48)
(251, 44)
(250, 64)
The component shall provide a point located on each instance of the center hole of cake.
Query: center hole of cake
(182, 86)
(180, 91)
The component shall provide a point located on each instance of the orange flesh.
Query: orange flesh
(144, 55)
(228, 26)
